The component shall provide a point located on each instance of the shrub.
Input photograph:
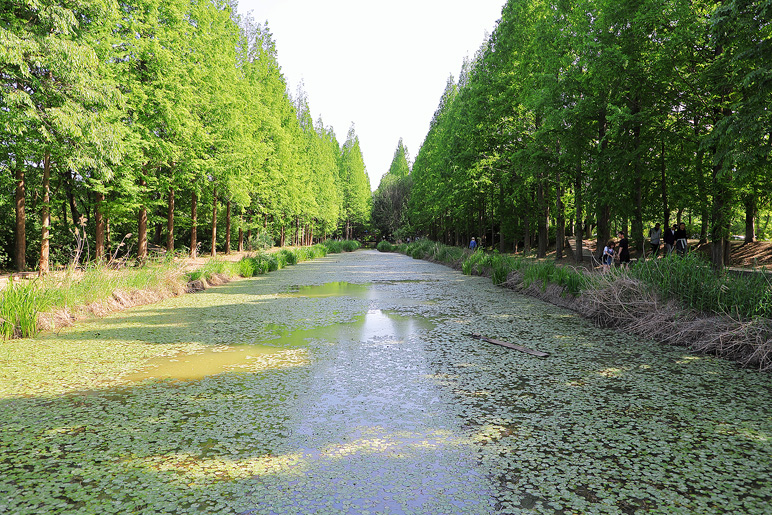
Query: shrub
(288, 257)
(333, 246)
(261, 241)
(385, 246)
(350, 245)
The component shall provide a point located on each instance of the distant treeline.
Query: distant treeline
(166, 120)
(592, 116)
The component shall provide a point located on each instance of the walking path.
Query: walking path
(349, 385)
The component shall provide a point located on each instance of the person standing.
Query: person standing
(473, 244)
(680, 240)
(655, 235)
(670, 239)
(608, 255)
(624, 249)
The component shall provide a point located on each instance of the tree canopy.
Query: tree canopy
(579, 117)
(130, 126)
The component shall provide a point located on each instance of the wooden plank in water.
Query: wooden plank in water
(510, 345)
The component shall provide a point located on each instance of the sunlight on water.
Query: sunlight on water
(375, 325)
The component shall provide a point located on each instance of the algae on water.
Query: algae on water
(348, 385)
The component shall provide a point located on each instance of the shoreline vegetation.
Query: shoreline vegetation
(675, 301)
(58, 300)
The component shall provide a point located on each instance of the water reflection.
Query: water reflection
(375, 325)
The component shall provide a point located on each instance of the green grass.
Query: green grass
(499, 266)
(693, 282)
(18, 310)
(690, 279)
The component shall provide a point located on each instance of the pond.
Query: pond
(350, 385)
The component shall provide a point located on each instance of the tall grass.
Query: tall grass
(689, 279)
(18, 310)
(499, 266)
(693, 282)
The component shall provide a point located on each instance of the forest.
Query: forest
(576, 119)
(137, 126)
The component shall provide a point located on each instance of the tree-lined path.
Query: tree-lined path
(348, 385)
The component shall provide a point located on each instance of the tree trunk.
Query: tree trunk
(108, 246)
(20, 254)
(560, 214)
(579, 230)
(543, 218)
(45, 216)
(604, 227)
(281, 239)
(193, 223)
(170, 223)
(719, 230)
(249, 239)
(67, 178)
(142, 234)
(214, 222)
(637, 232)
(527, 232)
(99, 227)
(228, 227)
(603, 207)
(663, 178)
(241, 232)
(750, 217)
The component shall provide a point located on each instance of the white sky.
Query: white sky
(382, 65)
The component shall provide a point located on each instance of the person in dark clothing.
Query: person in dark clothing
(670, 239)
(680, 240)
(624, 249)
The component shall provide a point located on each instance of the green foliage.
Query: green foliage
(350, 245)
(499, 266)
(568, 111)
(693, 282)
(385, 246)
(19, 310)
(262, 241)
(390, 200)
(144, 107)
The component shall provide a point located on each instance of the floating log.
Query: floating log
(509, 345)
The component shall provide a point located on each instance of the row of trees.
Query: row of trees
(601, 114)
(143, 121)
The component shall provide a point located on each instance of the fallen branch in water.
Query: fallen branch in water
(509, 345)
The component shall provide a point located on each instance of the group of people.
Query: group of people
(610, 252)
(673, 237)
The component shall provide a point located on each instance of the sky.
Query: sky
(381, 65)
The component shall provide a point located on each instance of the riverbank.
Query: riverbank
(672, 301)
(65, 297)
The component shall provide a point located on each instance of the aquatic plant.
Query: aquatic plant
(18, 310)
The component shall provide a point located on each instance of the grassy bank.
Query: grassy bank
(51, 301)
(674, 300)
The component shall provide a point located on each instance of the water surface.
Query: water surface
(348, 385)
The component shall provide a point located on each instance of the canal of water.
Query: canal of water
(350, 385)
